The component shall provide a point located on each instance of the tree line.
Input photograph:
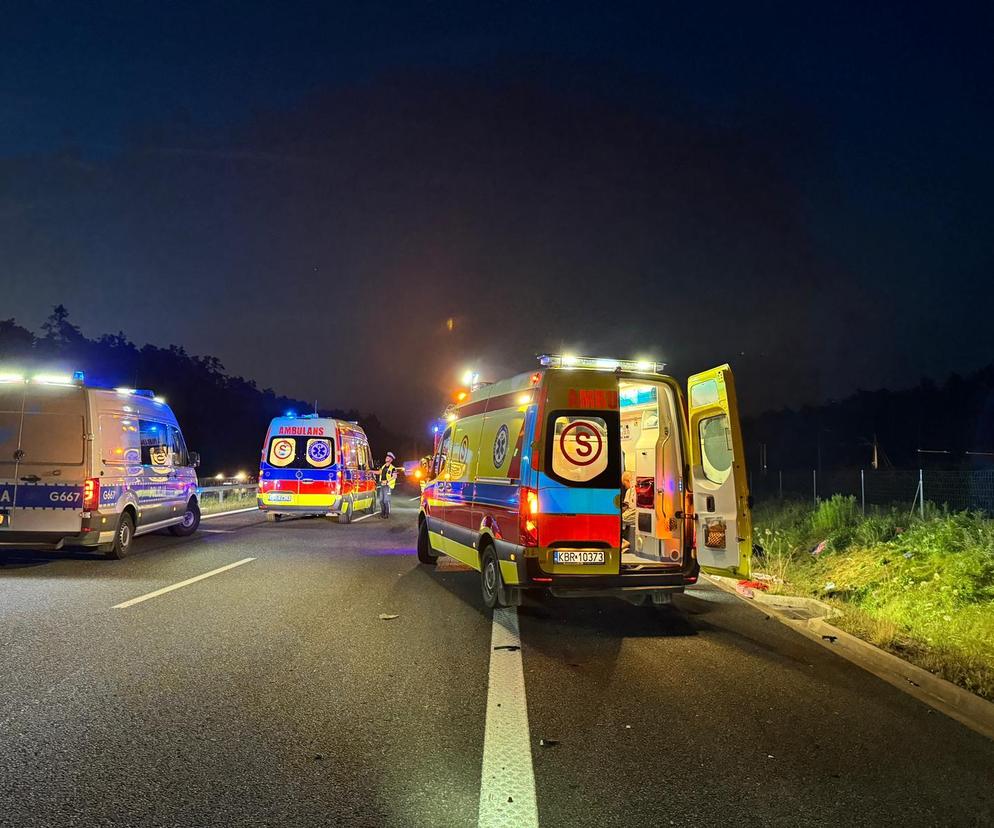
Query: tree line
(947, 425)
(223, 417)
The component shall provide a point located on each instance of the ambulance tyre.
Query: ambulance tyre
(191, 521)
(495, 594)
(274, 517)
(346, 515)
(124, 536)
(426, 554)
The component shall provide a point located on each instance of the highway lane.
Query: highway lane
(272, 694)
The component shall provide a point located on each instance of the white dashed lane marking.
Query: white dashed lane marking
(507, 783)
(149, 595)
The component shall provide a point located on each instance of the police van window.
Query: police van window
(584, 449)
(52, 430)
(156, 444)
(716, 447)
(180, 454)
(119, 440)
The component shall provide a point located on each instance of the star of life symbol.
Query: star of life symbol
(318, 451)
(501, 441)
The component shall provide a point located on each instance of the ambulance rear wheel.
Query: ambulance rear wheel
(495, 594)
(274, 517)
(123, 538)
(346, 515)
(426, 554)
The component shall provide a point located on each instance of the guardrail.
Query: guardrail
(214, 497)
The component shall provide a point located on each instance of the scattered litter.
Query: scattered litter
(386, 616)
(510, 799)
(908, 555)
(754, 585)
(770, 756)
(829, 587)
(548, 742)
(509, 647)
(819, 549)
(831, 639)
(319, 756)
(628, 727)
(915, 683)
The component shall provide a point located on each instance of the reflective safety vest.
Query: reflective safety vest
(388, 475)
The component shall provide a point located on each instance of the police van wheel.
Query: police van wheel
(495, 594)
(191, 521)
(123, 537)
(426, 554)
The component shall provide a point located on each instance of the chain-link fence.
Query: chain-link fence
(958, 490)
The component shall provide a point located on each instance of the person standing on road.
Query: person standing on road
(386, 479)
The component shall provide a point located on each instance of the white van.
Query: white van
(90, 467)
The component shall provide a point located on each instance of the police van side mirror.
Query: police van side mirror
(194, 458)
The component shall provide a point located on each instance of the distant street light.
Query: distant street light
(219, 476)
(241, 476)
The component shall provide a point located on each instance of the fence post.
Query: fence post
(780, 474)
(814, 485)
(220, 496)
(862, 488)
(921, 491)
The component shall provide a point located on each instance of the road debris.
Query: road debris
(509, 647)
(548, 742)
(386, 616)
(830, 638)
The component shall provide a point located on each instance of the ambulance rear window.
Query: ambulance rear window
(286, 452)
(583, 448)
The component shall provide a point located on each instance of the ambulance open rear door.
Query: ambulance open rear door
(720, 485)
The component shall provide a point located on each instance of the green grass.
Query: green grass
(233, 499)
(922, 588)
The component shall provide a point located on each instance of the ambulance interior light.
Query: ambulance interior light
(601, 363)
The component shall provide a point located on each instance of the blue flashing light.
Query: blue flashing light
(290, 414)
(78, 376)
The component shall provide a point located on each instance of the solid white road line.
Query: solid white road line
(365, 517)
(507, 783)
(187, 582)
(232, 512)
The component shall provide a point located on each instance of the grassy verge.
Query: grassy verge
(922, 588)
(234, 499)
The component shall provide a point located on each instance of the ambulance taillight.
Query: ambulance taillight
(528, 516)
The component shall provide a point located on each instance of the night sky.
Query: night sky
(805, 191)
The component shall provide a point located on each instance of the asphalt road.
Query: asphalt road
(273, 694)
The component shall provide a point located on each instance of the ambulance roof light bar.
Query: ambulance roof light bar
(601, 363)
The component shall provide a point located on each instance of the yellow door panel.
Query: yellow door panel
(718, 472)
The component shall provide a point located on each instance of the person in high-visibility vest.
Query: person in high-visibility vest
(386, 479)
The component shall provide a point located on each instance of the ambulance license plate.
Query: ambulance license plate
(280, 497)
(578, 556)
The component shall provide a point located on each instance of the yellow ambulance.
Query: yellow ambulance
(526, 482)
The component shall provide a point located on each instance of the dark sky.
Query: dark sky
(309, 193)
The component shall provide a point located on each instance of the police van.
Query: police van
(90, 467)
(315, 465)
(527, 477)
